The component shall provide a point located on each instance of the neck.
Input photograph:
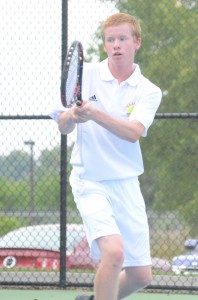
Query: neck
(121, 73)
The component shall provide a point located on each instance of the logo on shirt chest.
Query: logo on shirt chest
(130, 107)
(93, 98)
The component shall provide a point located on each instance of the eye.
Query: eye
(110, 39)
(123, 38)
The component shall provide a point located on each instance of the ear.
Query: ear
(138, 44)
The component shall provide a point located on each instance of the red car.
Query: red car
(37, 247)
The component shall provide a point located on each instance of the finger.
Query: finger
(84, 102)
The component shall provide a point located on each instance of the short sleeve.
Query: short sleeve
(147, 106)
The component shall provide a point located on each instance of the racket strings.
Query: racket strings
(71, 81)
(72, 77)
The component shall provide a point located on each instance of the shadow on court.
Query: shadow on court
(21, 294)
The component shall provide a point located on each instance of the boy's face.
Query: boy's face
(120, 45)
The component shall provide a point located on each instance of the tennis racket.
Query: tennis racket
(71, 81)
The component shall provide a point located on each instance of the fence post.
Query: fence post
(63, 166)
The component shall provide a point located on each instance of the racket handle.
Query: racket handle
(78, 102)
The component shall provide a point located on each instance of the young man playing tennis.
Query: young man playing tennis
(119, 106)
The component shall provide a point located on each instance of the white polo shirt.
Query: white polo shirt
(98, 154)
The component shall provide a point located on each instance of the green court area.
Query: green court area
(22, 294)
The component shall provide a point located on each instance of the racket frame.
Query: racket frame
(77, 97)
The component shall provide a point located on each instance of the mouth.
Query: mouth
(117, 54)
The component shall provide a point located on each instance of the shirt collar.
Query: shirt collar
(106, 75)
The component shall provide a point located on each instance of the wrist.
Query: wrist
(71, 118)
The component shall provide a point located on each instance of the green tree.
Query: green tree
(47, 186)
(14, 195)
(10, 223)
(170, 160)
(189, 211)
(49, 161)
(16, 165)
(47, 192)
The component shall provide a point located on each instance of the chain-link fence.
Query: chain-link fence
(33, 171)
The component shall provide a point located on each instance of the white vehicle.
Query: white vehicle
(187, 263)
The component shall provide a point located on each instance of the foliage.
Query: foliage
(16, 165)
(49, 161)
(170, 179)
(15, 193)
(10, 223)
(47, 192)
(189, 211)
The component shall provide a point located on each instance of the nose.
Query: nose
(116, 44)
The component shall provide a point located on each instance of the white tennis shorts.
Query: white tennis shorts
(114, 207)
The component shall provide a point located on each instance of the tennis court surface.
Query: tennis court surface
(22, 294)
